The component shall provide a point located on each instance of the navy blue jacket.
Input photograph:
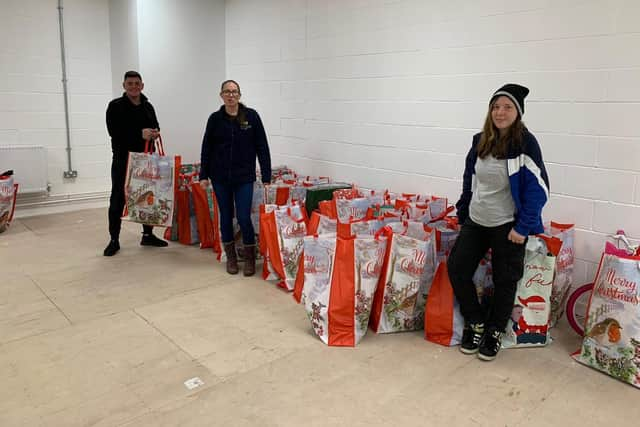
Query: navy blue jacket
(229, 148)
(528, 180)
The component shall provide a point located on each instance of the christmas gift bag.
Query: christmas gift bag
(203, 217)
(443, 322)
(612, 331)
(187, 221)
(285, 232)
(149, 186)
(315, 272)
(529, 322)
(171, 233)
(404, 283)
(267, 227)
(8, 195)
(352, 209)
(320, 224)
(564, 269)
(339, 309)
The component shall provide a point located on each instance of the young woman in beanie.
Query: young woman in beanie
(504, 188)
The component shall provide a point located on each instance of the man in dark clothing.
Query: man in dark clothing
(131, 120)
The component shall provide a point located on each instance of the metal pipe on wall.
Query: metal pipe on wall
(69, 173)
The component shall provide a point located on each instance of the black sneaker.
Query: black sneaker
(151, 240)
(112, 248)
(490, 345)
(471, 336)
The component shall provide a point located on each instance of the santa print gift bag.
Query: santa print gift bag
(529, 322)
(149, 187)
(563, 278)
(612, 339)
(405, 280)
(339, 308)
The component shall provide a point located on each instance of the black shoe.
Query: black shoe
(151, 240)
(490, 345)
(112, 248)
(471, 337)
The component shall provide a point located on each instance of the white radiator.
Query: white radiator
(29, 165)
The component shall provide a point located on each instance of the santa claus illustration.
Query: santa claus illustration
(531, 320)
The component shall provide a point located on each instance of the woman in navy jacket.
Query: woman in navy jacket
(233, 138)
(504, 189)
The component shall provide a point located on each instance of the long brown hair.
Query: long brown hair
(491, 142)
(241, 117)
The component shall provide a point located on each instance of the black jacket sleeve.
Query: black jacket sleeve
(205, 152)
(262, 150)
(462, 207)
(118, 131)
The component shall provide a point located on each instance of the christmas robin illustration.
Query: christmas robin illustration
(606, 332)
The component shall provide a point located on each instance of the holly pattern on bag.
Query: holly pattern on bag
(315, 316)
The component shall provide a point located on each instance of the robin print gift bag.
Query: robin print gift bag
(149, 188)
(612, 328)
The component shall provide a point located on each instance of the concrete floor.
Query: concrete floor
(87, 340)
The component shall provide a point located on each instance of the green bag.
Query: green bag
(318, 193)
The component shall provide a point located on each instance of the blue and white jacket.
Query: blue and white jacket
(528, 180)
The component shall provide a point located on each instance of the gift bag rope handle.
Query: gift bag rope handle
(158, 144)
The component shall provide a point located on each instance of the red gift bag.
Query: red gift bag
(443, 322)
(203, 217)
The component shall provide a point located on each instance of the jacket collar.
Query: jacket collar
(143, 98)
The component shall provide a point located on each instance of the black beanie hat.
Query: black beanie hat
(515, 93)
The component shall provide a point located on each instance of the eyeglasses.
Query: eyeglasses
(231, 92)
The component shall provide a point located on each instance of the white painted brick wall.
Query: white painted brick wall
(389, 93)
(31, 101)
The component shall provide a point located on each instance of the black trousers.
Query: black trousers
(117, 199)
(507, 260)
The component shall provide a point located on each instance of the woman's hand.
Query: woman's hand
(516, 237)
(204, 184)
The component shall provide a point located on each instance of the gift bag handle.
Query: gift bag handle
(158, 145)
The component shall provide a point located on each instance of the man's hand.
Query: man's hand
(150, 134)
(204, 184)
(516, 237)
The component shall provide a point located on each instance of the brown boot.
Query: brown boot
(232, 257)
(249, 260)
